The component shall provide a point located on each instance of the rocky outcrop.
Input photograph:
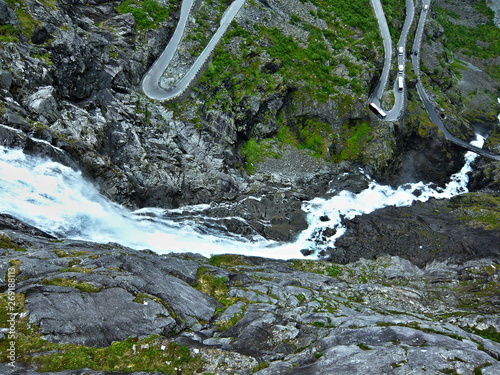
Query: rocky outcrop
(458, 230)
(242, 315)
(7, 17)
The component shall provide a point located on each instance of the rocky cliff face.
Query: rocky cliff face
(281, 103)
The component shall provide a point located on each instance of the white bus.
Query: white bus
(377, 110)
(400, 83)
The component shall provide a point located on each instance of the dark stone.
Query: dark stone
(40, 36)
(421, 233)
(271, 67)
(11, 223)
(5, 79)
(306, 252)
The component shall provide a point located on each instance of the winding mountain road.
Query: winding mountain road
(151, 81)
(152, 88)
(387, 42)
(397, 109)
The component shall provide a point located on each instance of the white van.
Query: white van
(401, 68)
(400, 49)
(426, 7)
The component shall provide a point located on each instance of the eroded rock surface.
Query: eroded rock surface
(235, 312)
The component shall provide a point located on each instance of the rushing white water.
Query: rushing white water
(56, 199)
(348, 205)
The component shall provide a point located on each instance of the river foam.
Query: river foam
(59, 201)
(349, 205)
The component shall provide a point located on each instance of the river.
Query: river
(59, 201)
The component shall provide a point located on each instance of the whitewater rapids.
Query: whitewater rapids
(59, 201)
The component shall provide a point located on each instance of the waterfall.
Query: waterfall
(348, 205)
(59, 201)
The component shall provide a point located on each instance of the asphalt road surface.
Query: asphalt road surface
(151, 81)
(398, 107)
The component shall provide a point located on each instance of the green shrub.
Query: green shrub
(8, 33)
(358, 135)
(83, 286)
(255, 151)
(148, 14)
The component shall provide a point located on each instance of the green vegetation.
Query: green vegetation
(226, 260)
(6, 243)
(482, 41)
(356, 14)
(225, 325)
(322, 268)
(124, 356)
(364, 347)
(255, 151)
(27, 24)
(44, 57)
(479, 210)
(149, 354)
(314, 135)
(395, 13)
(310, 67)
(489, 333)
(77, 269)
(260, 366)
(204, 17)
(333, 271)
(214, 286)
(148, 14)
(355, 135)
(8, 33)
(74, 253)
(83, 286)
(457, 66)
(305, 133)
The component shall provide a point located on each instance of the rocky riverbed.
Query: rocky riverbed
(232, 314)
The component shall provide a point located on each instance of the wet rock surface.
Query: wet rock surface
(436, 230)
(234, 312)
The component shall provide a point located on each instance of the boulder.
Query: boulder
(67, 315)
(5, 79)
(44, 104)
